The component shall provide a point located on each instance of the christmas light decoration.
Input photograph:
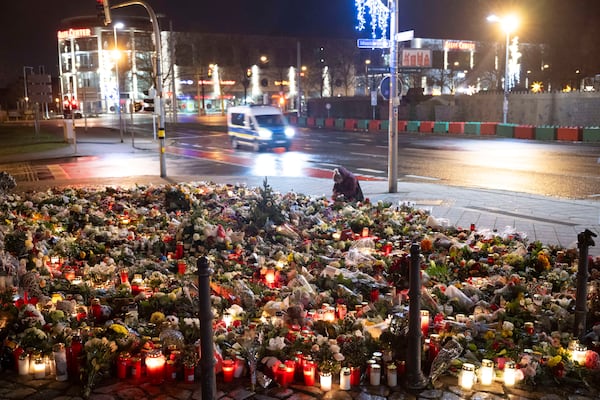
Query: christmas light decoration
(378, 12)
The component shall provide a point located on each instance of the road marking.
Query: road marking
(375, 171)
(426, 178)
(367, 155)
(58, 172)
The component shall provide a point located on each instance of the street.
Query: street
(198, 148)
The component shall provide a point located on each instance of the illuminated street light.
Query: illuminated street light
(508, 24)
(118, 25)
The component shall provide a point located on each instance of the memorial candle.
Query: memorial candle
(155, 367)
(228, 369)
(345, 378)
(309, 372)
(424, 322)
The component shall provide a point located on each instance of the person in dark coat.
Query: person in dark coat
(346, 186)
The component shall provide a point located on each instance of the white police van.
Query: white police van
(258, 126)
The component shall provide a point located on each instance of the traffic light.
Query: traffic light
(103, 9)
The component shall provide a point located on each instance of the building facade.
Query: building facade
(105, 67)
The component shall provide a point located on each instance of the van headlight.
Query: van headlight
(265, 133)
(289, 132)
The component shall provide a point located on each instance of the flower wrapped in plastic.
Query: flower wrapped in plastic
(99, 354)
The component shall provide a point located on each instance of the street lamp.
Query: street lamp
(508, 24)
(116, 56)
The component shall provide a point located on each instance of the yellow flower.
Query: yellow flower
(119, 329)
(553, 362)
(489, 335)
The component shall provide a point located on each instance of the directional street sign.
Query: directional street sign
(405, 36)
(378, 70)
(373, 43)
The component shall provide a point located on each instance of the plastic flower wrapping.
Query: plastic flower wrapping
(292, 276)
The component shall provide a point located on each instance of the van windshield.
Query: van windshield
(270, 120)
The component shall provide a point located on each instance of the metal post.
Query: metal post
(505, 99)
(298, 78)
(118, 85)
(414, 376)
(159, 84)
(584, 240)
(393, 109)
(207, 363)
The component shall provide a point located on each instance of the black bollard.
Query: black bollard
(414, 375)
(584, 241)
(207, 361)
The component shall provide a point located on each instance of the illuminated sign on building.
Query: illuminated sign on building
(462, 45)
(74, 33)
(416, 58)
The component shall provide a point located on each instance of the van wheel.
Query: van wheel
(234, 143)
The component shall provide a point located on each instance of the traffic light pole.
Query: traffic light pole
(394, 101)
(159, 84)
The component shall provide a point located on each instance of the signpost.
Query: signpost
(373, 43)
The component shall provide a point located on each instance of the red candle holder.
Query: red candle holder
(123, 365)
(124, 276)
(310, 369)
(228, 368)
(290, 368)
(355, 376)
(181, 267)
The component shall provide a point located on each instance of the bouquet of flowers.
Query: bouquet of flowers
(99, 354)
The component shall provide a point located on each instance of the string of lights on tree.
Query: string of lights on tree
(378, 12)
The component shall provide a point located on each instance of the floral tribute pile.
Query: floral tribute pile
(105, 278)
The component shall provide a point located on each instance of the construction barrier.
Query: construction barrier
(456, 127)
(440, 127)
(488, 128)
(591, 134)
(374, 125)
(575, 134)
(413, 126)
(505, 130)
(572, 134)
(545, 133)
(363, 124)
(524, 132)
(426, 126)
(349, 124)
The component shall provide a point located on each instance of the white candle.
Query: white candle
(579, 353)
(467, 376)
(345, 378)
(375, 375)
(487, 372)
(509, 373)
(392, 375)
(39, 368)
(24, 364)
(325, 379)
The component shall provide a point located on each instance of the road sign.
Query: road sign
(378, 70)
(373, 43)
(384, 87)
(405, 36)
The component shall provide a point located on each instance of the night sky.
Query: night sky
(30, 25)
